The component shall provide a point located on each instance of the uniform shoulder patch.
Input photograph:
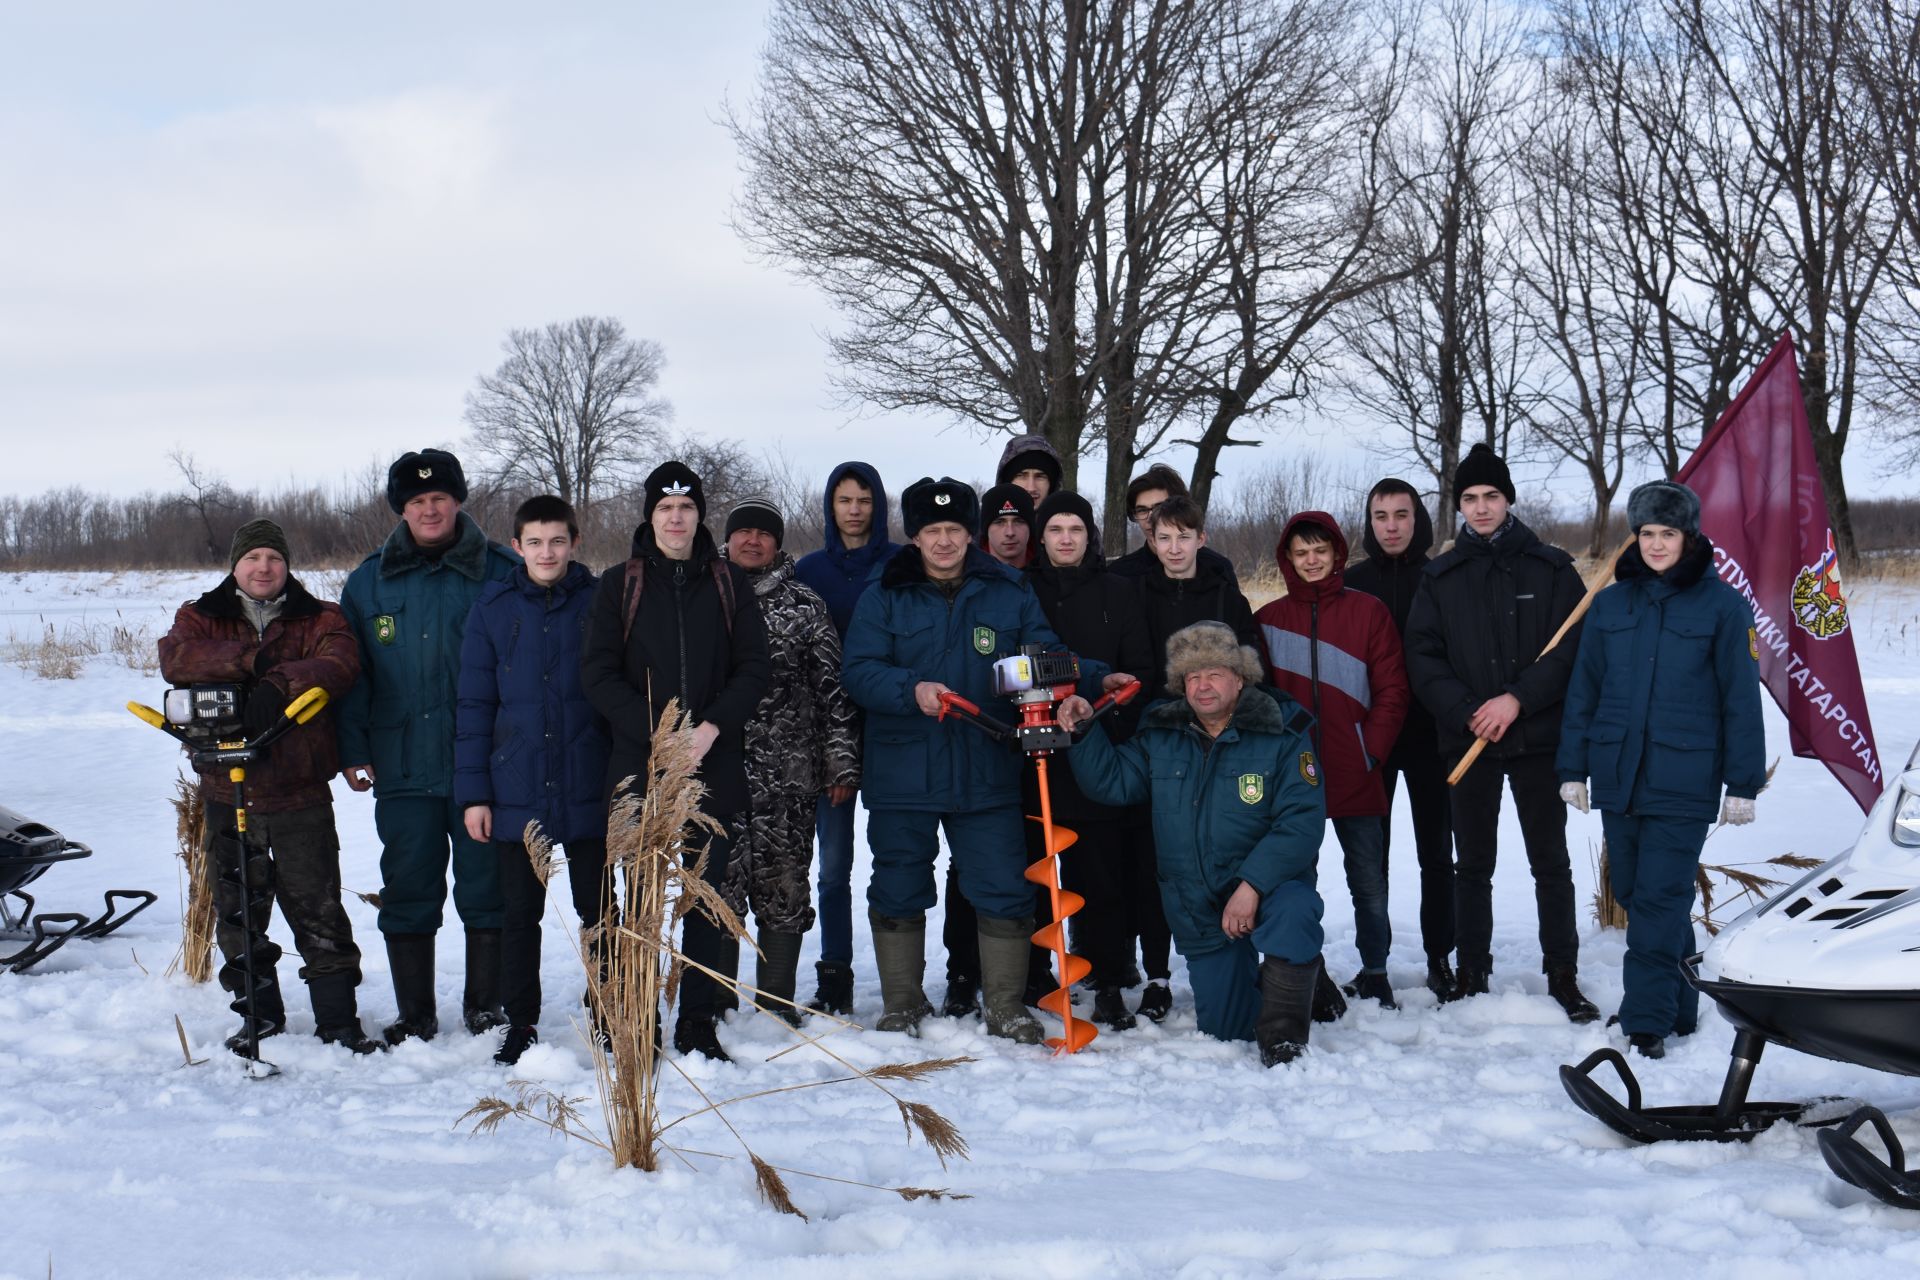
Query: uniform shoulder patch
(1753, 644)
(1309, 769)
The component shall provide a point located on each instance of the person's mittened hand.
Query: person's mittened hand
(1575, 794)
(1736, 812)
(266, 704)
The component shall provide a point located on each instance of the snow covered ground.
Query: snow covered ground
(1420, 1143)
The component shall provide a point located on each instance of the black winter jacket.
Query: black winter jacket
(1394, 581)
(1212, 594)
(1140, 562)
(1482, 615)
(1097, 616)
(681, 646)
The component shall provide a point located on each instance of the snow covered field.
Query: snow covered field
(1420, 1143)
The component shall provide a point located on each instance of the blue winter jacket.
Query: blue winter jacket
(409, 613)
(529, 743)
(1246, 806)
(838, 575)
(1664, 705)
(906, 631)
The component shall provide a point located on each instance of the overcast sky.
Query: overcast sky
(288, 239)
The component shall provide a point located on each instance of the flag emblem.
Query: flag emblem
(1308, 769)
(1818, 604)
(1252, 787)
(983, 639)
(383, 628)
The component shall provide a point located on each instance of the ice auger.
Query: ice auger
(208, 720)
(1037, 682)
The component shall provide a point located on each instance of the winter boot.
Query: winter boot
(1371, 986)
(1286, 1009)
(518, 1041)
(480, 1004)
(696, 1035)
(266, 1011)
(1156, 1002)
(410, 955)
(777, 974)
(1440, 979)
(1565, 990)
(1003, 979)
(963, 996)
(1471, 980)
(1647, 1044)
(336, 1019)
(900, 955)
(833, 989)
(1110, 1009)
(1328, 1004)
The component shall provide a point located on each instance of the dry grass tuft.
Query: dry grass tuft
(773, 1189)
(195, 958)
(61, 654)
(940, 1135)
(543, 1106)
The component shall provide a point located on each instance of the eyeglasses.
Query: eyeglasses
(1142, 512)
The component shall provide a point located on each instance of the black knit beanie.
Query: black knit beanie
(757, 513)
(1005, 500)
(1064, 503)
(1482, 466)
(673, 479)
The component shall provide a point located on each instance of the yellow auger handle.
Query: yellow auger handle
(307, 705)
(148, 714)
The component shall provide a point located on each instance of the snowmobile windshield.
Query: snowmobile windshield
(1906, 809)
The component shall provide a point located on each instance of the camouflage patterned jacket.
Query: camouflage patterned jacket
(805, 737)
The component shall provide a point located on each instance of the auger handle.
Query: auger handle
(970, 713)
(1108, 701)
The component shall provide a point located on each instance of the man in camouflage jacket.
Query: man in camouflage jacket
(802, 740)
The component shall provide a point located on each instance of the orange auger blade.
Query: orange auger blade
(1075, 1033)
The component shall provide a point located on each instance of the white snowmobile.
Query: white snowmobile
(27, 850)
(1829, 966)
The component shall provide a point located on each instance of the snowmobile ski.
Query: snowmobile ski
(1888, 1181)
(1732, 1119)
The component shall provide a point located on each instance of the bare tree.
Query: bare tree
(207, 496)
(572, 409)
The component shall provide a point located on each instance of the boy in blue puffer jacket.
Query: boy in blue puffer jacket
(529, 746)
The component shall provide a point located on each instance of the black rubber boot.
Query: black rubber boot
(1110, 1009)
(336, 1018)
(1004, 949)
(1564, 987)
(900, 955)
(480, 1007)
(1372, 986)
(1328, 1004)
(1286, 1009)
(696, 1035)
(777, 974)
(833, 988)
(410, 956)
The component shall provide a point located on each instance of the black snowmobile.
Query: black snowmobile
(1830, 967)
(27, 850)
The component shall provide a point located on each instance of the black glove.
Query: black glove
(265, 707)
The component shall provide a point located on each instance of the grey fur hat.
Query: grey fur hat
(1209, 644)
(1664, 502)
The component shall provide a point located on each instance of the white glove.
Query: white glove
(1736, 812)
(1575, 794)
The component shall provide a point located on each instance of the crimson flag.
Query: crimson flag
(1765, 510)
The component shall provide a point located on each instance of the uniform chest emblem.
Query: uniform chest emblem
(1308, 769)
(983, 640)
(383, 628)
(1252, 788)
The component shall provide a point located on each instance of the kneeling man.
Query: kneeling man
(1237, 816)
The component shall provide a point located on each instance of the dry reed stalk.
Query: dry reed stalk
(1606, 908)
(195, 958)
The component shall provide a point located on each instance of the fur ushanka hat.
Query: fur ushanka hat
(1664, 502)
(1208, 644)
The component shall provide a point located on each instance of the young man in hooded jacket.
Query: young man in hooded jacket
(1477, 656)
(1337, 653)
(1399, 535)
(676, 623)
(857, 543)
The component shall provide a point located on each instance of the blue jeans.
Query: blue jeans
(833, 824)
(1651, 863)
(1364, 842)
(1226, 982)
